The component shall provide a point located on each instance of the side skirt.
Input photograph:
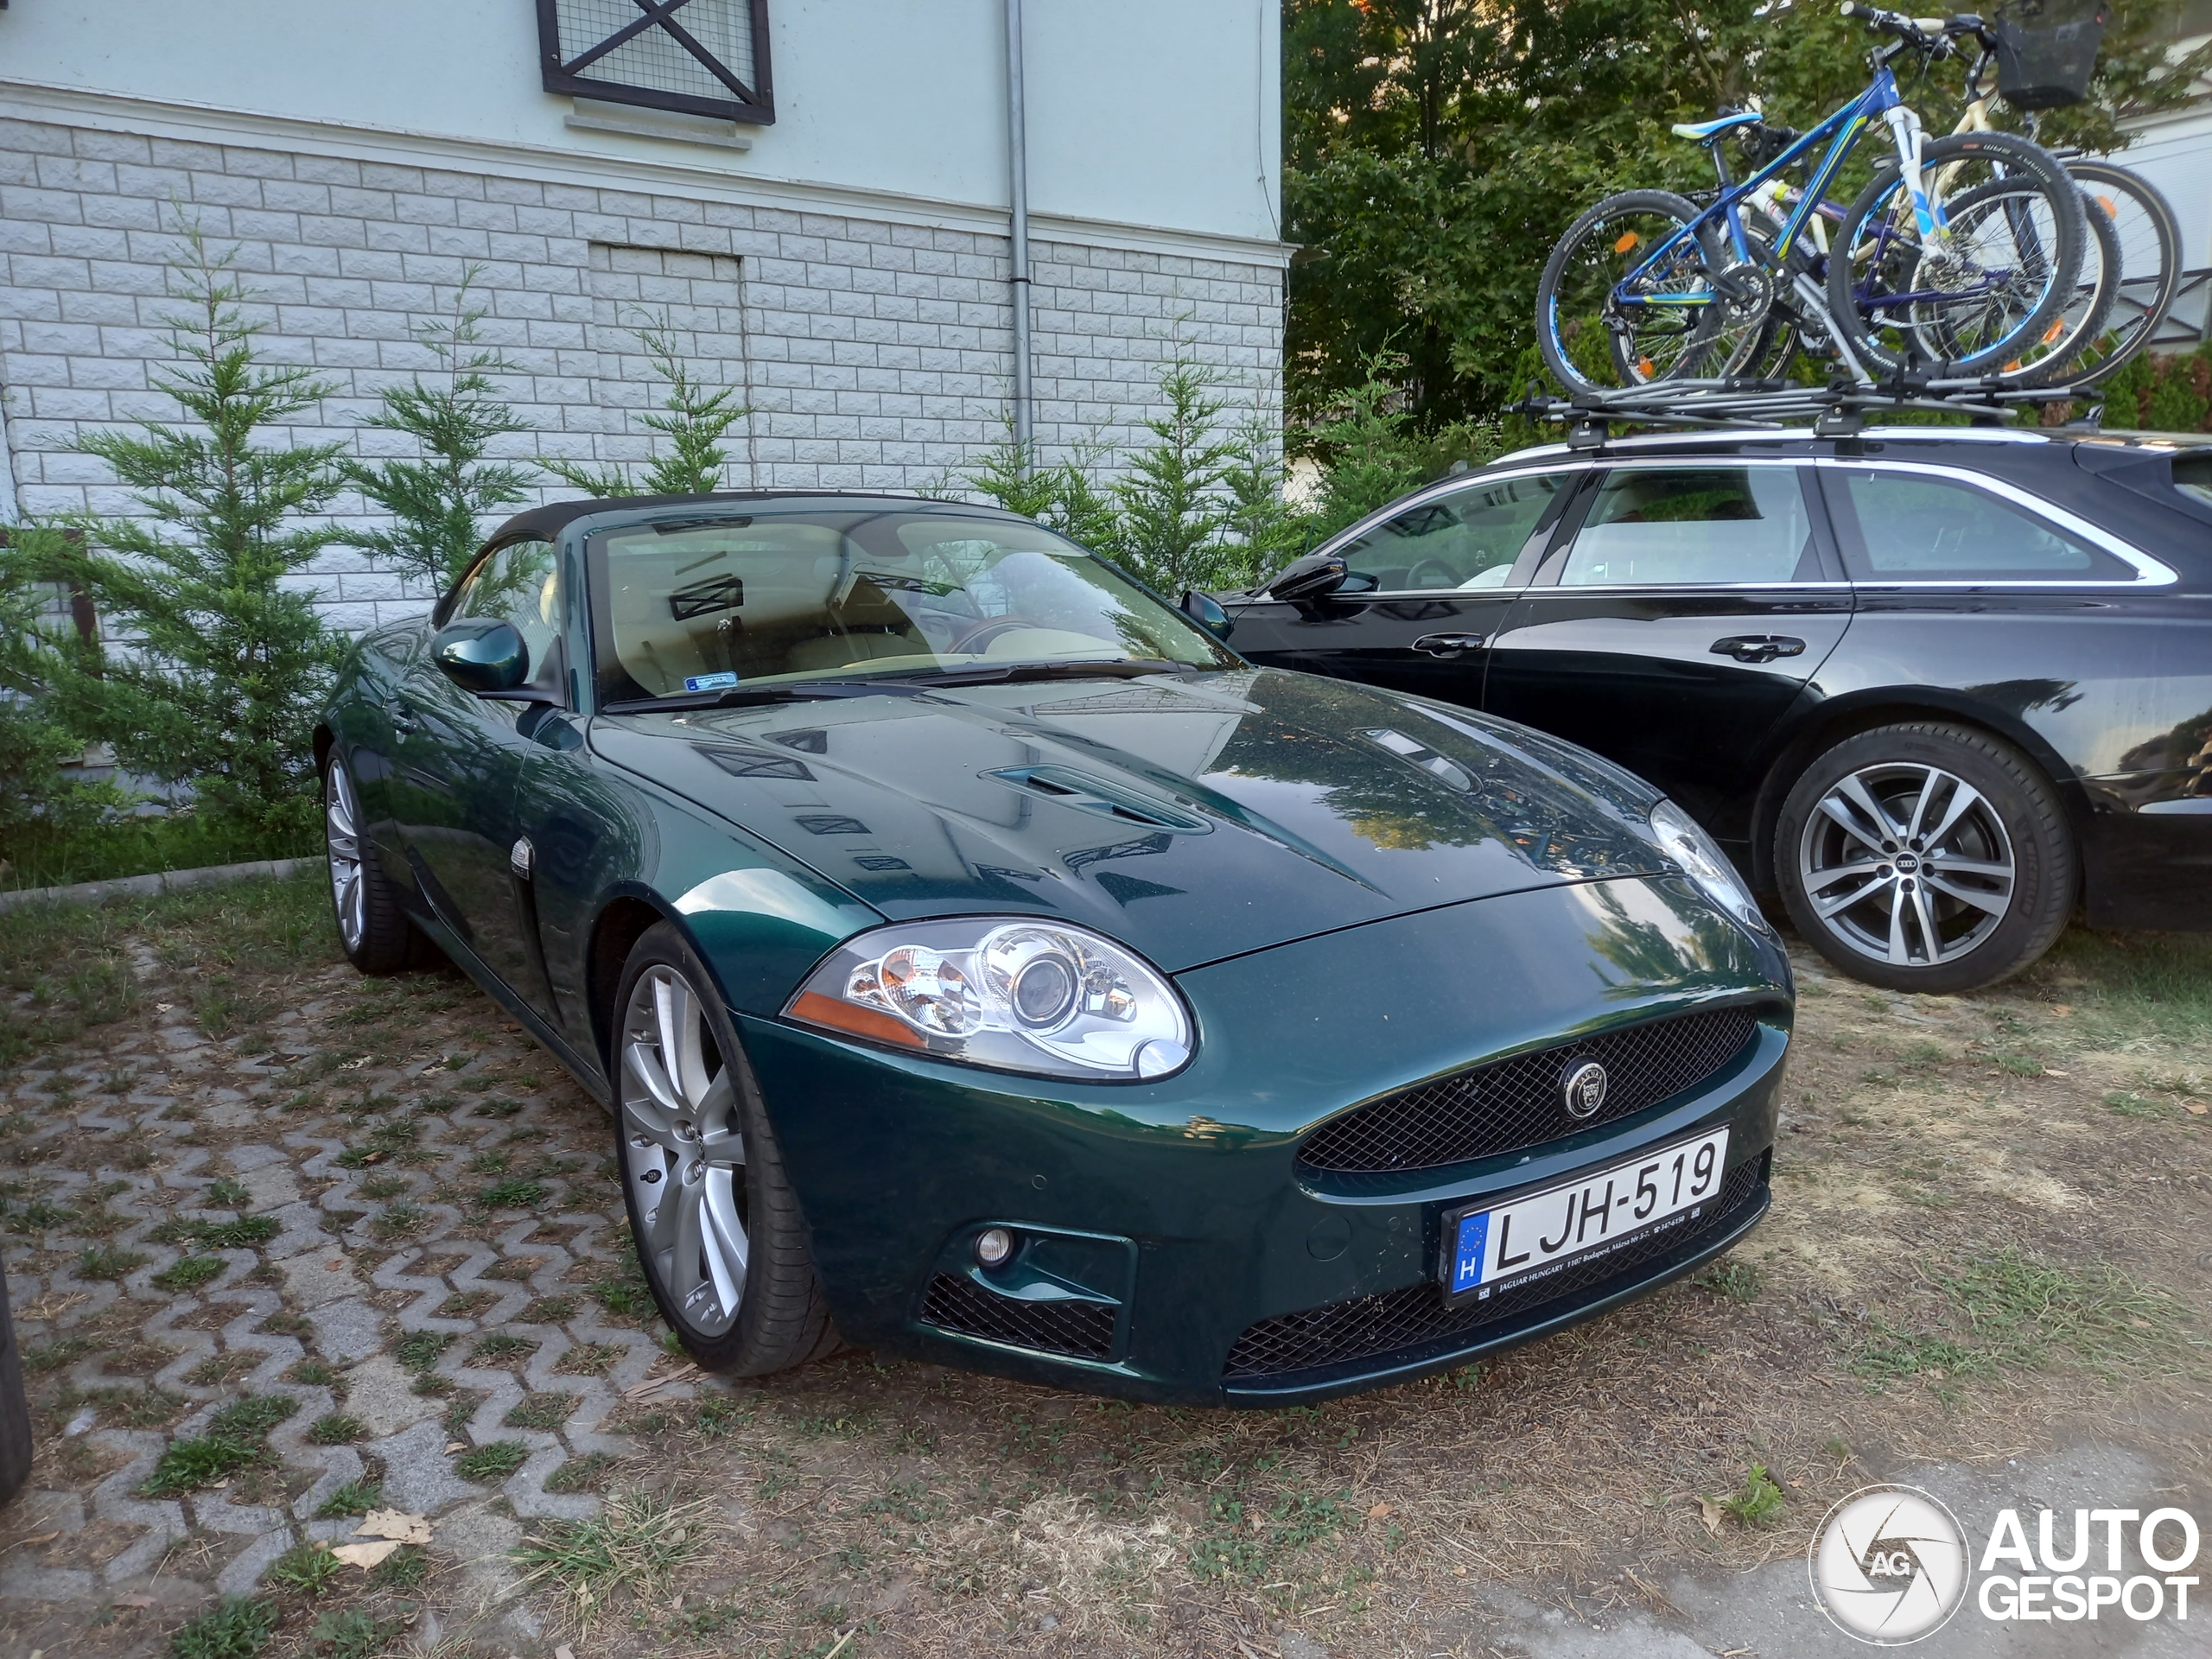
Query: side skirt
(583, 1069)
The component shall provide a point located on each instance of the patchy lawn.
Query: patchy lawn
(290, 1246)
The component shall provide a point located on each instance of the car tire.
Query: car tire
(728, 1264)
(373, 930)
(1926, 857)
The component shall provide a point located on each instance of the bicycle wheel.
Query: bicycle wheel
(1974, 296)
(2051, 360)
(2148, 238)
(1607, 315)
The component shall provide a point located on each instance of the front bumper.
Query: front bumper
(1174, 1248)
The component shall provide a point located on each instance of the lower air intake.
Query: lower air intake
(1416, 1317)
(1079, 1330)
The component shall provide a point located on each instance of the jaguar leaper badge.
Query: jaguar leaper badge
(1584, 1085)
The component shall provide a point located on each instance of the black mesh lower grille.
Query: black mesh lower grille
(1521, 1101)
(1416, 1316)
(1080, 1330)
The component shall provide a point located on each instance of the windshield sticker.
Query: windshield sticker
(708, 682)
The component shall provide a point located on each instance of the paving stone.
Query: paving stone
(418, 1476)
(382, 1395)
(347, 1330)
(311, 1280)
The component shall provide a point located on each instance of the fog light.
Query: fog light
(993, 1246)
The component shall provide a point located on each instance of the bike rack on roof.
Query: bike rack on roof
(1838, 410)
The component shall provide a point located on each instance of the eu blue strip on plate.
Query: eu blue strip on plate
(709, 682)
(1467, 1259)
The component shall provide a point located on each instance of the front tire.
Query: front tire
(1589, 342)
(714, 1218)
(1926, 857)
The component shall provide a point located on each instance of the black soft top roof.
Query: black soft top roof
(550, 521)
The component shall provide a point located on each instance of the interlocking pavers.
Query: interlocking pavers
(341, 1192)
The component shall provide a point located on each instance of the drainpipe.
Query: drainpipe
(1017, 154)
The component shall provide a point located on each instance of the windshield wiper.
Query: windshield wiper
(738, 695)
(1061, 668)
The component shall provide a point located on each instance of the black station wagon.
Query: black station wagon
(1934, 687)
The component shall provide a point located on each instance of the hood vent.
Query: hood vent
(1080, 790)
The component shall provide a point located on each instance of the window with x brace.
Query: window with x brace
(699, 57)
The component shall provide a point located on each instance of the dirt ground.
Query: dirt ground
(278, 1236)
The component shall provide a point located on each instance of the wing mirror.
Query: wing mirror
(1205, 610)
(1314, 576)
(482, 655)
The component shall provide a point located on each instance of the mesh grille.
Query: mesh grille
(1416, 1316)
(1521, 1101)
(1081, 1329)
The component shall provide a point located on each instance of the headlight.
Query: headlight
(1016, 995)
(1705, 864)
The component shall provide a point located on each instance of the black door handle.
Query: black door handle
(1758, 647)
(1448, 644)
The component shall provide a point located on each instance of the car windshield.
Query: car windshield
(710, 604)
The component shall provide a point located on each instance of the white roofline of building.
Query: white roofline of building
(27, 100)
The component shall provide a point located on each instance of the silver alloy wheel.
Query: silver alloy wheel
(1907, 863)
(683, 1154)
(341, 840)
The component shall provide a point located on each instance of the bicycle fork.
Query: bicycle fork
(1909, 135)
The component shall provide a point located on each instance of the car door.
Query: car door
(458, 761)
(1692, 606)
(1429, 583)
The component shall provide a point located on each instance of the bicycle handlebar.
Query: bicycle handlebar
(1919, 31)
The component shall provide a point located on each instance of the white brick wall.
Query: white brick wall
(874, 354)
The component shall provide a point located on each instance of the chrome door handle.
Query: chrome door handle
(402, 716)
(1758, 647)
(1448, 644)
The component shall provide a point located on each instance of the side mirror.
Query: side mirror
(1315, 576)
(1205, 610)
(481, 655)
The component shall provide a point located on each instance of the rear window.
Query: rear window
(1910, 527)
(2193, 476)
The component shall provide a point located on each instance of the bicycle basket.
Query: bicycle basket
(2046, 53)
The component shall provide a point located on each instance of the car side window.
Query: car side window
(520, 584)
(1694, 526)
(1910, 527)
(1467, 538)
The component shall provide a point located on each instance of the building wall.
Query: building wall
(873, 347)
(1155, 113)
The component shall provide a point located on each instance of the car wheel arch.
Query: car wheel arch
(615, 932)
(1837, 722)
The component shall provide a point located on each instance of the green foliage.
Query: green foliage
(493, 1462)
(418, 1351)
(308, 1568)
(190, 1272)
(454, 418)
(239, 1628)
(227, 663)
(2172, 393)
(236, 1435)
(354, 1498)
(691, 423)
(336, 1428)
(1172, 506)
(1759, 1503)
(351, 1633)
(1436, 149)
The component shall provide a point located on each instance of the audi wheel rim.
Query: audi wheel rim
(1908, 864)
(341, 840)
(684, 1155)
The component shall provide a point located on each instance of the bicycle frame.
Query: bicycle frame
(1840, 131)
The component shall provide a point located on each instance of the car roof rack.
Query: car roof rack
(1838, 409)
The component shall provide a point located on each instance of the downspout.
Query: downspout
(1018, 156)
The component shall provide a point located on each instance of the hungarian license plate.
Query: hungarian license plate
(1505, 1246)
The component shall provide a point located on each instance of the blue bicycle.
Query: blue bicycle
(1954, 262)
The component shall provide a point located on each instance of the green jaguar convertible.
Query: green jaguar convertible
(980, 959)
